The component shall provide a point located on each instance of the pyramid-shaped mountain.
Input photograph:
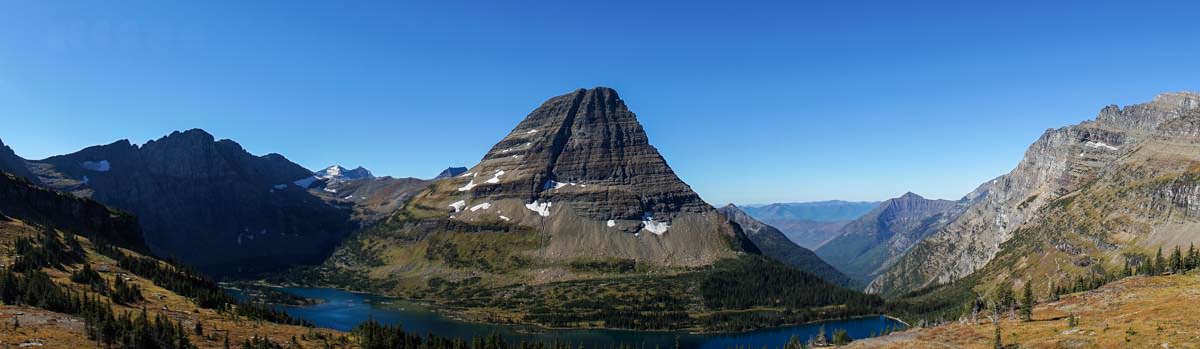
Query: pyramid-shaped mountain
(581, 167)
(576, 181)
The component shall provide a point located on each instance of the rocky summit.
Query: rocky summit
(577, 180)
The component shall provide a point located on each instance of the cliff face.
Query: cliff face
(1060, 162)
(866, 246)
(576, 180)
(773, 243)
(20, 199)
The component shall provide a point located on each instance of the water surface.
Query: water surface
(343, 310)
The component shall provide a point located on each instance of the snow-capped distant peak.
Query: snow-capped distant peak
(337, 172)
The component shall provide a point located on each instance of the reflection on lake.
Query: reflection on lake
(343, 310)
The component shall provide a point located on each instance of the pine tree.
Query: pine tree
(1176, 261)
(1191, 257)
(1027, 302)
(1160, 264)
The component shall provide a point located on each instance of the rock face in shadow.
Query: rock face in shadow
(866, 246)
(206, 202)
(21, 199)
(1061, 162)
(773, 243)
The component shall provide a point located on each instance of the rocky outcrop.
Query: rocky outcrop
(773, 243)
(1060, 162)
(866, 246)
(206, 202)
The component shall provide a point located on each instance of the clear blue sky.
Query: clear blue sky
(748, 101)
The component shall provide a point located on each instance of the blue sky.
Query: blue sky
(748, 101)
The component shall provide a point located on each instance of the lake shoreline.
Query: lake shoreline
(464, 315)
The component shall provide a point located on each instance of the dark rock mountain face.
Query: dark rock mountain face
(451, 172)
(774, 244)
(576, 180)
(21, 199)
(871, 243)
(208, 203)
(11, 163)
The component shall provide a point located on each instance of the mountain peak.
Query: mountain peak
(337, 172)
(451, 172)
(910, 196)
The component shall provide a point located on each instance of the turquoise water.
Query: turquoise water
(343, 310)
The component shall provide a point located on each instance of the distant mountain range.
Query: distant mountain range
(773, 243)
(820, 211)
(810, 224)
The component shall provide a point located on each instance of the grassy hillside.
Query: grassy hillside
(1136, 312)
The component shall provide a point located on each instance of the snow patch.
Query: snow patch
(468, 174)
(348, 197)
(1093, 144)
(483, 206)
(458, 205)
(470, 185)
(658, 228)
(305, 182)
(551, 184)
(98, 166)
(496, 178)
(328, 190)
(542, 208)
(280, 186)
(506, 219)
(531, 132)
(611, 223)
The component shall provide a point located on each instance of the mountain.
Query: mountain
(774, 244)
(451, 172)
(576, 180)
(77, 275)
(1123, 183)
(339, 173)
(871, 243)
(820, 211)
(574, 220)
(205, 202)
(808, 233)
